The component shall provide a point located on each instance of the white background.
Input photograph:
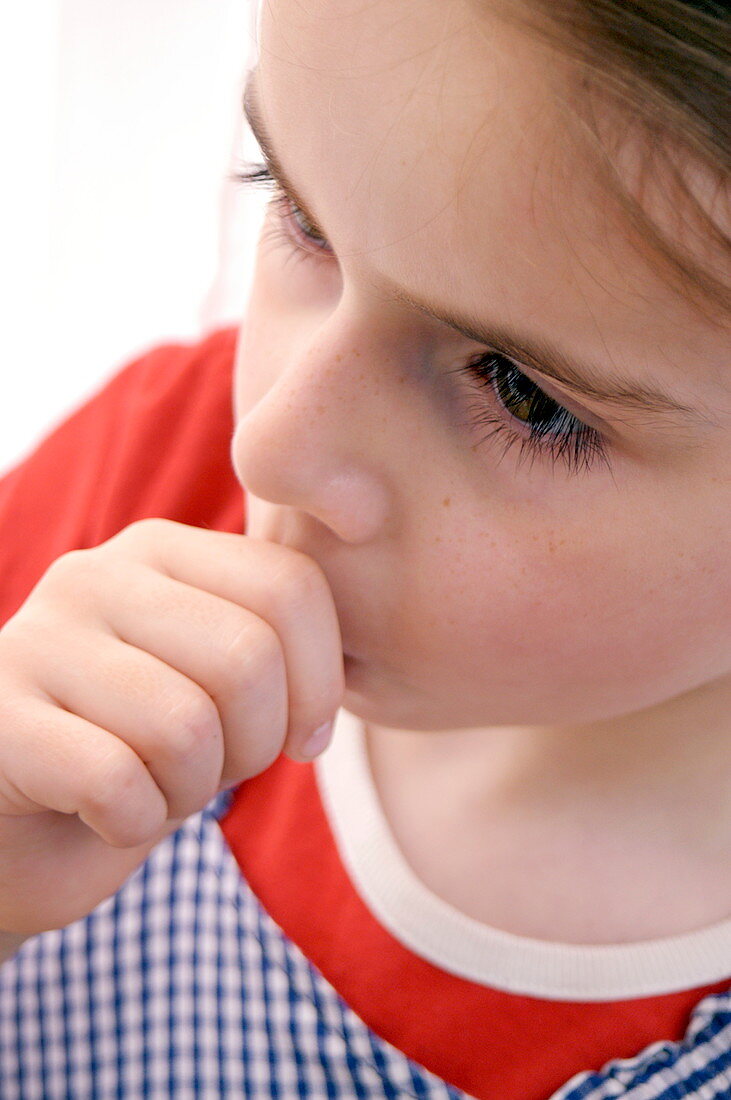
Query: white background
(118, 229)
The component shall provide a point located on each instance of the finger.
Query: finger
(53, 760)
(285, 588)
(169, 721)
(232, 655)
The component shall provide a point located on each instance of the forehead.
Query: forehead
(399, 102)
(438, 147)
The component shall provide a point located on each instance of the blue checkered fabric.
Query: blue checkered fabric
(181, 986)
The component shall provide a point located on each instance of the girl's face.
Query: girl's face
(503, 547)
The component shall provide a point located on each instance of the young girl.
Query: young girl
(482, 430)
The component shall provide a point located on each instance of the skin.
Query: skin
(538, 651)
(540, 655)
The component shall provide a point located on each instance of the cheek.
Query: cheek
(530, 626)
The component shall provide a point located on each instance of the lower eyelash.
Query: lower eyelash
(564, 438)
(258, 175)
(569, 440)
(277, 235)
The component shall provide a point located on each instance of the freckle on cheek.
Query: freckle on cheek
(446, 502)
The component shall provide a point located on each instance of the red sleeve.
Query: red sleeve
(155, 441)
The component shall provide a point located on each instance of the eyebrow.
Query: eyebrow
(540, 355)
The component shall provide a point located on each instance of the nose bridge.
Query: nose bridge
(343, 355)
(318, 437)
(334, 384)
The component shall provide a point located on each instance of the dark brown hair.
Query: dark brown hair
(664, 67)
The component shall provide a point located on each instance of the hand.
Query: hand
(137, 680)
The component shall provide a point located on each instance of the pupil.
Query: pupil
(518, 394)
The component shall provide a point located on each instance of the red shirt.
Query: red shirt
(155, 441)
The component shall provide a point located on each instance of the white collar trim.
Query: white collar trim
(436, 931)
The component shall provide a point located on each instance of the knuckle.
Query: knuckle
(191, 724)
(143, 533)
(69, 567)
(115, 781)
(252, 655)
(69, 578)
(302, 583)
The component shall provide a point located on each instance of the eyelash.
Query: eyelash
(561, 436)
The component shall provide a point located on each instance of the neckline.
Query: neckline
(438, 932)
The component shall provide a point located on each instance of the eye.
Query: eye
(517, 404)
(301, 232)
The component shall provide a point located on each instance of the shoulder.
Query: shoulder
(172, 374)
(163, 439)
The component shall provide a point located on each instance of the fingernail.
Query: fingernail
(319, 740)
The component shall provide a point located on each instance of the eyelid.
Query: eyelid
(579, 411)
(284, 199)
(286, 193)
(304, 240)
(562, 398)
(559, 396)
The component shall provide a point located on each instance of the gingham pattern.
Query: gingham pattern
(181, 986)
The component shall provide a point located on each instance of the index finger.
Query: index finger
(283, 586)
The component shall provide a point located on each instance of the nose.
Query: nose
(315, 437)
